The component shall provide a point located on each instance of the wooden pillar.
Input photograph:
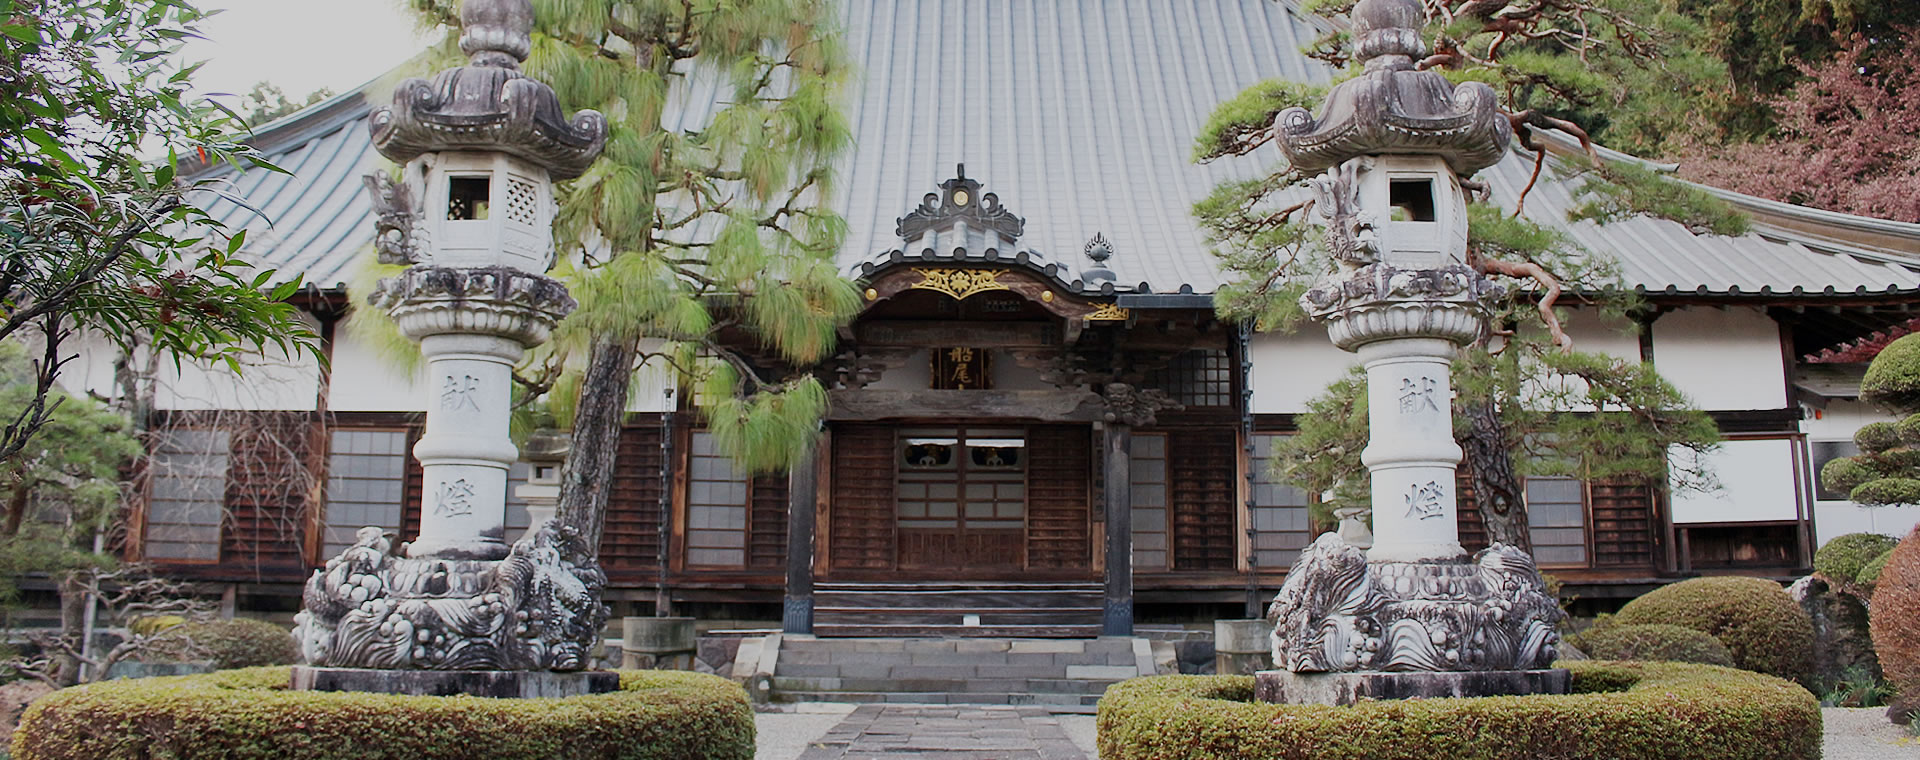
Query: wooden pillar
(1116, 457)
(796, 614)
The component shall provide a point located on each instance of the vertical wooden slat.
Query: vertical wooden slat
(1623, 523)
(1203, 493)
(629, 544)
(862, 519)
(767, 522)
(1059, 508)
(1473, 525)
(266, 501)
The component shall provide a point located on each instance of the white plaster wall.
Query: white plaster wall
(269, 381)
(917, 375)
(1291, 368)
(1722, 359)
(648, 393)
(91, 370)
(366, 378)
(1590, 335)
(1838, 422)
(1757, 484)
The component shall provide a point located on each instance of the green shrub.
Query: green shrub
(229, 644)
(251, 715)
(1761, 626)
(1875, 437)
(1619, 711)
(1845, 473)
(1893, 378)
(1842, 558)
(1870, 574)
(1653, 642)
(1887, 492)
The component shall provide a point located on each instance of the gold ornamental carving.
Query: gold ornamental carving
(1109, 313)
(959, 283)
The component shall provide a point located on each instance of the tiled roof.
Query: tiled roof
(1081, 117)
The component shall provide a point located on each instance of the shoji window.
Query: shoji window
(188, 503)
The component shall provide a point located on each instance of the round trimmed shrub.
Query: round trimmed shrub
(1893, 378)
(236, 643)
(1870, 575)
(1875, 437)
(1895, 624)
(1618, 711)
(1654, 642)
(1845, 473)
(251, 715)
(1887, 491)
(1760, 625)
(1842, 558)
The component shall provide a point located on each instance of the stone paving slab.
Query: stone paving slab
(945, 732)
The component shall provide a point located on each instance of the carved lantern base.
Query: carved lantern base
(536, 610)
(1339, 613)
(1287, 687)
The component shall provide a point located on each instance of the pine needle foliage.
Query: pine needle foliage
(703, 233)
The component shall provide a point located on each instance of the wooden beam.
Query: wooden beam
(1116, 454)
(1043, 406)
(940, 334)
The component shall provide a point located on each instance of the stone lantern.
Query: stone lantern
(480, 147)
(1411, 615)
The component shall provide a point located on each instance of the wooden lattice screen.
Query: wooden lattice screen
(1059, 506)
(266, 502)
(630, 539)
(1623, 523)
(860, 530)
(1204, 498)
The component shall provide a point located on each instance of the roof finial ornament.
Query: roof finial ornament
(1386, 33)
(1099, 250)
(496, 32)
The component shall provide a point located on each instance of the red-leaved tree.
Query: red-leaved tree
(1848, 136)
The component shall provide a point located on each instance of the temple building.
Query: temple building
(1038, 424)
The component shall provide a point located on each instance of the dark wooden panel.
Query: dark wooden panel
(1623, 524)
(1473, 526)
(268, 485)
(1059, 497)
(1047, 406)
(415, 489)
(860, 517)
(972, 552)
(1202, 464)
(630, 542)
(767, 522)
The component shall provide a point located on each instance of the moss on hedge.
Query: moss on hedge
(1843, 558)
(251, 715)
(1619, 711)
(1762, 626)
(1657, 642)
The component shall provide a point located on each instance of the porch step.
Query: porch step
(1012, 671)
(985, 609)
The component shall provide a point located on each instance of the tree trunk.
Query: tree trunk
(74, 599)
(1496, 490)
(586, 482)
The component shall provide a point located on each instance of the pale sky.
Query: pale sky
(302, 46)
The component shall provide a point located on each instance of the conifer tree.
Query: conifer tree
(703, 227)
(1527, 404)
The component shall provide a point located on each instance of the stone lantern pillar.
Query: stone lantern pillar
(1412, 615)
(480, 147)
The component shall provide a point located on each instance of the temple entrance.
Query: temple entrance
(961, 499)
(986, 501)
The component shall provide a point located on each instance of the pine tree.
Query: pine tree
(1887, 470)
(704, 226)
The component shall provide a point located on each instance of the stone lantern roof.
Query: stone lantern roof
(488, 105)
(1393, 107)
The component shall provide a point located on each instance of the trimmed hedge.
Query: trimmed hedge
(230, 644)
(1619, 711)
(1870, 574)
(251, 715)
(1843, 558)
(1654, 642)
(1762, 626)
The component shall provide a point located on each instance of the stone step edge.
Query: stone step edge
(940, 698)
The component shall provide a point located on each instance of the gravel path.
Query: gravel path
(1864, 733)
(1851, 734)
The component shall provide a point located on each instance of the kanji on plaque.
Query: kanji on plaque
(961, 369)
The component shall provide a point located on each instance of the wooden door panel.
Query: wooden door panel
(861, 515)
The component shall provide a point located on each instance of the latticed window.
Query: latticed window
(1281, 523)
(366, 482)
(716, 507)
(1557, 520)
(1148, 470)
(189, 495)
(1198, 378)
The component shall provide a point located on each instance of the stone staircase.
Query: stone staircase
(991, 609)
(1015, 671)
